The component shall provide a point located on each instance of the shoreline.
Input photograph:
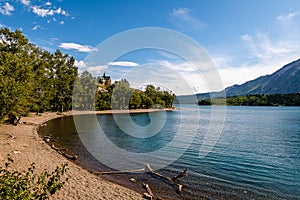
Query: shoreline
(130, 111)
(25, 146)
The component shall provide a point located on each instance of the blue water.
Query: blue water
(256, 156)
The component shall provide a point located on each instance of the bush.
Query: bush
(27, 185)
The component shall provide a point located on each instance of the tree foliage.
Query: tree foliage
(292, 99)
(120, 96)
(32, 79)
(27, 185)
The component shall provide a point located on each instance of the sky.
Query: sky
(244, 39)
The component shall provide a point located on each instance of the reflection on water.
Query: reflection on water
(257, 155)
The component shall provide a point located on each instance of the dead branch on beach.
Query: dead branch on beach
(181, 174)
(120, 172)
(61, 151)
(149, 193)
(171, 180)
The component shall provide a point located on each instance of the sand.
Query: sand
(25, 146)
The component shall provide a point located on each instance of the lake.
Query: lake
(255, 156)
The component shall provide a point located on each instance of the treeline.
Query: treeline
(292, 99)
(33, 79)
(90, 95)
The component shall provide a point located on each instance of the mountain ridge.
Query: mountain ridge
(283, 81)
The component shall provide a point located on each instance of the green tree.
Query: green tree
(16, 74)
(121, 95)
(31, 78)
(65, 74)
(135, 100)
(44, 90)
(84, 92)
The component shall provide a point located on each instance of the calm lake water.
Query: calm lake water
(256, 156)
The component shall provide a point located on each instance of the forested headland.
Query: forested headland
(292, 99)
(90, 94)
(35, 80)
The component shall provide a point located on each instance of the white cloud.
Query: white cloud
(96, 70)
(167, 77)
(7, 9)
(286, 17)
(36, 27)
(263, 49)
(61, 12)
(41, 12)
(25, 2)
(53, 39)
(61, 22)
(123, 63)
(77, 47)
(80, 64)
(266, 55)
(44, 12)
(246, 37)
(183, 19)
(48, 3)
(239, 75)
(2, 25)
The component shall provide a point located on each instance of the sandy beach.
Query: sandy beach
(25, 146)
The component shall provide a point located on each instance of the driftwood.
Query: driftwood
(61, 151)
(149, 193)
(147, 196)
(48, 138)
(181, 174)
(171, 180)
(120, 172)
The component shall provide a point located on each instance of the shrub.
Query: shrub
(28, 185)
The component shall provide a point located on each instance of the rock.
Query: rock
(133, 180)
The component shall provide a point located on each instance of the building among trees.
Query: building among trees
(104, 80)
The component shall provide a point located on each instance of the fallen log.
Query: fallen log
(61, 151)
(48, 138)
(181, 174)
(171, 180)
(69, 156)
(120, 172)
(147, 196)
(149, 191)
(55, 148)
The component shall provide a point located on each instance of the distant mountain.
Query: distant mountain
(285, 80)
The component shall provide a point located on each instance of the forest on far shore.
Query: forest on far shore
(35, 80)
(292, 99)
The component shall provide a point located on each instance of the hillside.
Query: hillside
(285, 80)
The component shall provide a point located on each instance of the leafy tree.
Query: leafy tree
(32, 79)
(121, 95)
(84, 92)
(151, 92)
(135, 100)
(64, 77)
(15, 74)
(44, 90)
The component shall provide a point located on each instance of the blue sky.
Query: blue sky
(245, 39)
